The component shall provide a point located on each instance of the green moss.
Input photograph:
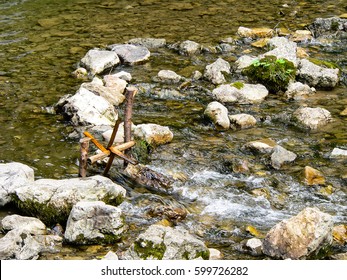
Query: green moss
(324, 63)
(141, 151)
(238, 85)
(205, 255)
(274, 73)
(149, 250)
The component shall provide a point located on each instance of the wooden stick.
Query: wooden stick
(102, 155)
(123, 156)
(129, 97)
(114, 132)
(96, 142)
(83, 160)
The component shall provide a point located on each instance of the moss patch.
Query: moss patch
(238, 85)
(274, 73)
(149, 250)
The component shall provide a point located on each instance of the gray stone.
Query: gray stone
(111, 256)
(297, 91)
(242, 121)
(189, 48)
(168, 76)
(300, 236)
(86, 108)
(28, 224)
(166, 243)
(283, 48)
(280, 156)
(113, 94)
(115, 82)
(248, 94)
(150, 43)
(131, 54)
(215, 254)
(94, 222)
(153, 133)
(329, 27)
(255, 246)
(52, 200)
(218, 113)
(312, 118)
(317, 76)
(12, 176)
(97, 61)
(214, 72)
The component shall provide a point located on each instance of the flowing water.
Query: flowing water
(42, 40)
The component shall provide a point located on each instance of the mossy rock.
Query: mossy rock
(148, 250)
(274, 73)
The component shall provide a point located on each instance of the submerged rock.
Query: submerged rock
(245, 94)
(334, 27)
(300, 236)
(153, 134)
(214, 72)
(313, 176)
(281, 156)
(166, 243)
(12, 176)
(130, 54)
(218, 113)
(150, 43)
(312, 118)
(317, 76)
(86, 108)
(52, 200)
(94, 222)
(97, 61)
(262, 32)
(263, 146)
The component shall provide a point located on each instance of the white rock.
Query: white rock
(214, 71)
(189, 47)
(113, 94)
(131, 54)
(168, 76)
(94, 222)
(297, 91)
(242, 120)
(153, 133)
(28, 224)
(96, 61)
(280, 156)
(218, 113)
(312, 118)
(283, 48)
(336, 152)
(12, 176)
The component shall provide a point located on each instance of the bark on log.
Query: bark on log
(83, 160)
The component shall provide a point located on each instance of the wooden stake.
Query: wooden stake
(130, 93)
(102, 155)
(83, 160)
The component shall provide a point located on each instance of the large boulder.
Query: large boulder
(300, 236)
(97, 61)
(243, 94)
(52, 200)
(214, 71)
(12, 176)
(94, 222)
(131, 54)
(218, 114)
(26, 238)
(312, 118)
(86, 108)
(153, 134)
(317, 76)
(166, 243)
